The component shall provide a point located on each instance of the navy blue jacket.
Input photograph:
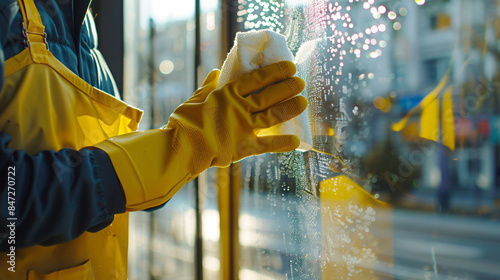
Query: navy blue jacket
(57, 207)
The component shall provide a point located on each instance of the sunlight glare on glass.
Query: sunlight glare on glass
(296, 3)
(211, 21)
(163, 11)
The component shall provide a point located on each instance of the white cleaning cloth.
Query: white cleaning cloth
(257, 49)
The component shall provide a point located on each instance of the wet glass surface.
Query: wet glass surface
(403, 178)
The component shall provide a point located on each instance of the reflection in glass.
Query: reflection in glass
(159, 76)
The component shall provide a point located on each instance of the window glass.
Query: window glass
(210, 55)
(403, 178)
(159, 76)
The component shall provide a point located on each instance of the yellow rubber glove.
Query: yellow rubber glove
(214, 128)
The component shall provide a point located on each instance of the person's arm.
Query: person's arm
(55, 200)
(57, 195)
(216, 127)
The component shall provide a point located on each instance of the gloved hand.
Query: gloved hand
(214, 128)
(221, 126)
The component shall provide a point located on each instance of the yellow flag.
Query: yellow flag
(433, 125)
(429, 121)
(448, 120)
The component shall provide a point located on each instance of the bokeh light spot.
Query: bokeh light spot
(391, 15)
(166, 67)
(403, 12)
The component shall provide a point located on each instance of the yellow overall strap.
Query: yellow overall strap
(33, 31)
